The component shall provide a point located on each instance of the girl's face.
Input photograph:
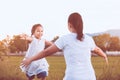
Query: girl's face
(38, 32)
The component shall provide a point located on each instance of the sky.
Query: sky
(18, 16)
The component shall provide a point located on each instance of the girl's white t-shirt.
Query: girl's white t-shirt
(39, 65)
(77, 56)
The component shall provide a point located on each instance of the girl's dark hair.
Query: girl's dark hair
(75, 20)
(34, 28)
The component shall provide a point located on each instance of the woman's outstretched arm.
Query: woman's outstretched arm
(47, 52)
(99, 51)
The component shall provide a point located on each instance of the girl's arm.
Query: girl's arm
(47, 52)
(99, 51)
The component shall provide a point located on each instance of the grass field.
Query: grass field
(9, 68)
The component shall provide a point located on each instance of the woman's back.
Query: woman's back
(77, 56)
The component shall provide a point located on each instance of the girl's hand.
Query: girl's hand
(25, 37)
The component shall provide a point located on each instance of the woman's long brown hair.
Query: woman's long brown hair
(75, 20)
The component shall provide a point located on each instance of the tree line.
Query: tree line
(17, 45)
(107, 42)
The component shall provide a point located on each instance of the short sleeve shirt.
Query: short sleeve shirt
(77, 56)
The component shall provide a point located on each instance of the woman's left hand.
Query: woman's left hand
(106, 59)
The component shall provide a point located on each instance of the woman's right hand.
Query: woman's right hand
(26, 62)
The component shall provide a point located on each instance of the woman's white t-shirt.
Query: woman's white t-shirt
(77, 56)
(39, 65)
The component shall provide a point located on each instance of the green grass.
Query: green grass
(9, 68)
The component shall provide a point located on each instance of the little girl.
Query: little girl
(38, 67)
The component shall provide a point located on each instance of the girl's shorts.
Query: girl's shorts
(40, 75)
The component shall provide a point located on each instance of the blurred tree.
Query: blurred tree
(102, 41)
(17, 44)
(2, 48)
(6, 43)
(114, 44)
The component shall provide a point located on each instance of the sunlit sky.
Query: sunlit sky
(18, 16)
